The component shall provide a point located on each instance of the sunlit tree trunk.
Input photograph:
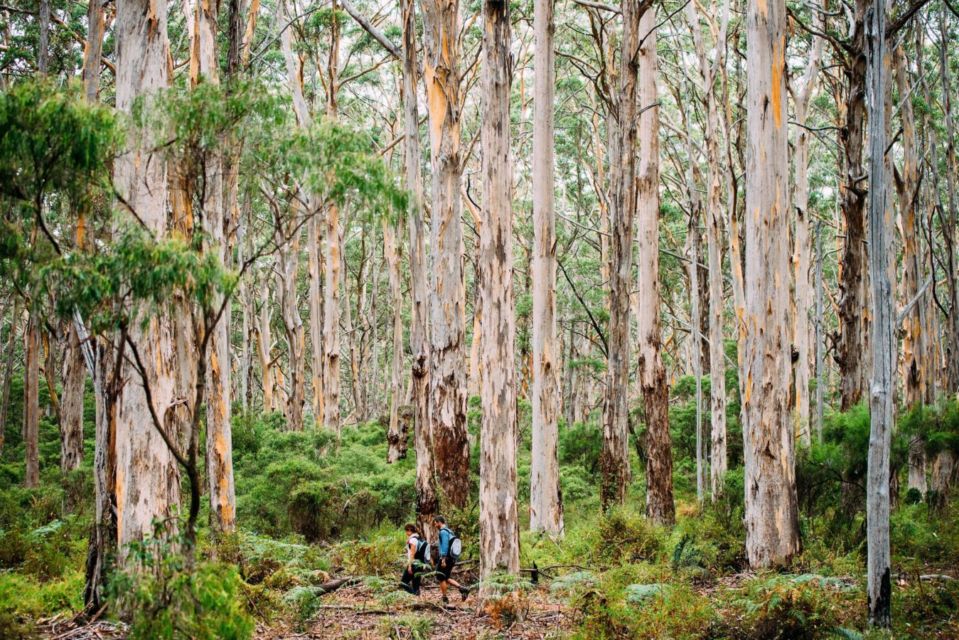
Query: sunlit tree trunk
(772, 527)
(441, 76)
(546, 506)
(498, 520)
(882, 264)
(652, 373)
(147, 478)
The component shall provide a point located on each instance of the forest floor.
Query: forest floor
(355, 613)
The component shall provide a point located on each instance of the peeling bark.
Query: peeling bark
(546, 506)
(772, 526)
(498, 519)
(447, 379)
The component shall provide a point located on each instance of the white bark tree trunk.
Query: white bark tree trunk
(652, 373)
(772, 527)
(147, 477)
(219, 433)
(546, 505)
(426, 499)
(882, 263)
(802, 256)
(441, 76)
(499, 524)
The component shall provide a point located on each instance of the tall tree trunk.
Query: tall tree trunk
(43, 44)
(93, 50)
(652, 373)
(219, 435)
(498, 520)
(426, 503)
(614, 458)
(695, 343)
(314, 263)
(772, 526)
(907, 185)
(31, 401)
(288, 262)
(545, 504)
(853, 198)
(882, 263)
(8, 372)
(391, 252)
(950, 218)
(71, 406)
(103, 536)
(333, 271)
(147, 478)
(820, 337)
(802, 260)
(264, 347)
(448, 301)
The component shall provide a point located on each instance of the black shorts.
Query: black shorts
(445, 569)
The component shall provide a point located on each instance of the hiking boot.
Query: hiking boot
(446, 600)
(464, 592)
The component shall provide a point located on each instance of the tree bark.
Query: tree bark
(448, 301)
(614, 458)
(396, 440)
(71, 406)
(882, 263)
(333, 271)
(546, 504)
(264, 348)
(147, 478)
(31, 401)
(772, 527)
(426, 499)
(907, 185)
(652, 374)
(853, 197)
(802, 260)
(8, 372)
(498, 520)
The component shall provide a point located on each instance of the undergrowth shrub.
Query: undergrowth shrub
(922, 607)
(165, 598)
(308, 483)
(791, 607)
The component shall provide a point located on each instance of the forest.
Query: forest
(479, 319)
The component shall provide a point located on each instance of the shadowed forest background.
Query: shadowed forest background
(656, 302)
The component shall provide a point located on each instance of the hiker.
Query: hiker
(416, 548)
(450, 547)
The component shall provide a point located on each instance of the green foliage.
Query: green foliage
(166, 598)
(301, 482)
(24, 600)
(800, 607)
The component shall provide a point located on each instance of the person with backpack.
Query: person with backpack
(450, 547)
(416, 548)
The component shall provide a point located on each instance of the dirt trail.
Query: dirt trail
(357, 613)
